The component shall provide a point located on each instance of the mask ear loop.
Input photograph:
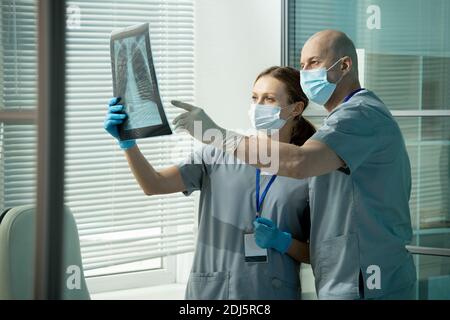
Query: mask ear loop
(291, 116)
(333, 67)
(285, 107)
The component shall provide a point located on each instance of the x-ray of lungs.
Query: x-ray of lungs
(134, 79)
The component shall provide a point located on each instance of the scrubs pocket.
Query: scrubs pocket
(338, 268)
(282, 290)
(208, 286)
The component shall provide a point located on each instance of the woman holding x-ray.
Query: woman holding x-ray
(229, 261)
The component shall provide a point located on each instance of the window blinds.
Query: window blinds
(117, 223)
(18, 68)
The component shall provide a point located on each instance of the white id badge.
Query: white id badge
(253, 253)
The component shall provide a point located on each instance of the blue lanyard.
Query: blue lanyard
(352, 94)
(259, 201)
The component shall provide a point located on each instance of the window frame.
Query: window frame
(135, 279)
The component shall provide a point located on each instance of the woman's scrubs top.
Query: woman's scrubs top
(227, 210)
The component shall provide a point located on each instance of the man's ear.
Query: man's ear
(347, 64)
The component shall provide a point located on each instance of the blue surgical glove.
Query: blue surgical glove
(267, 235)
(115, 117)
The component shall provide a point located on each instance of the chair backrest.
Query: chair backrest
(17, 248)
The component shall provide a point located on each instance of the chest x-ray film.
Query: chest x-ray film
(134, 80)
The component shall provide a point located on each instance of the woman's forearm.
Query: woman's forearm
(151, 181)
(299, 251)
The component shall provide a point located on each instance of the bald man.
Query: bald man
(360, 177)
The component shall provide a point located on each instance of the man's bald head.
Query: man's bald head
(333, 51)
(330, 45)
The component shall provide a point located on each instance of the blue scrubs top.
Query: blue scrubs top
(360, 215)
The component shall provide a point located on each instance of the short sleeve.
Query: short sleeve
(351, 133)
(193, 171)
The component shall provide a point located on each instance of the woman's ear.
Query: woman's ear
(299, 107)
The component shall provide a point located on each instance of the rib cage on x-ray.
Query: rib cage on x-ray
(134, 82)
(142, 73)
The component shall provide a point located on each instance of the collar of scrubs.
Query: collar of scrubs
(347, 98)
(259, 201)
(352, 94)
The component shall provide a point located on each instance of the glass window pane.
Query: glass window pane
(436, 83)
(428, 144)
(18, 165)
(405, 45)
(433, 276)
(18, 54)
(396, 79)
(404, 57)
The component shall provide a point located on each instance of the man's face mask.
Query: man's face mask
(266, 117)
(316, 86)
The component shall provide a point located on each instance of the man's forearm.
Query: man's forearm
(314, 158)
(283, 159)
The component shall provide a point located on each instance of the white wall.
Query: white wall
(235, 40)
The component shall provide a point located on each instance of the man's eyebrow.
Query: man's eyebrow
(311, 58)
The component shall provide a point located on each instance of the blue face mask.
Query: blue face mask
(316, 86)
(266, 117)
